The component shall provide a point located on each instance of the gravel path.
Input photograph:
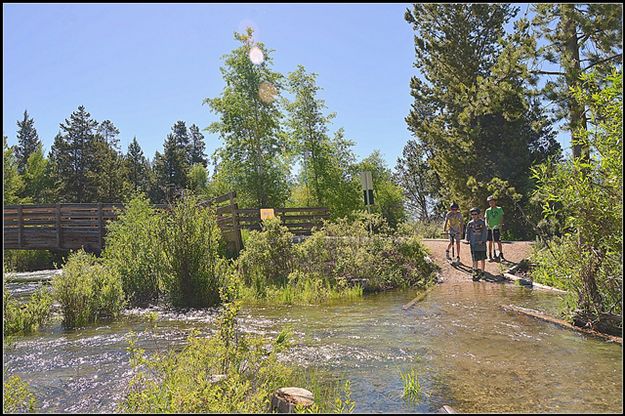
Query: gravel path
(513, 251)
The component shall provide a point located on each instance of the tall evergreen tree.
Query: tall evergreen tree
(27, 140)
(198, 147)
(137, 168)
(470, 109)
(74, 157)
(251, 160)
(110, 164)
(579, 38)
(172, 166)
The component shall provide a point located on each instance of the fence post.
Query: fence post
(20, 225)
(238, 239)
(59, 238)
(100, 226)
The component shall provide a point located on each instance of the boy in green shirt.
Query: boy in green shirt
(494, 223)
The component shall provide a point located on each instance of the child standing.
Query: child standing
(453, 224)
(476, 236)
(494, 222)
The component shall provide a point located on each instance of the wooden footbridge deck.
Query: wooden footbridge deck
(74, 226)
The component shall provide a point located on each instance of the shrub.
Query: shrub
(227, 373)
(193, 250)
(87, 290)
(268, 256)
(29, 260)
(27, 317)
(17, 397)
(134, 249)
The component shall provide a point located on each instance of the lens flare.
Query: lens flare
(256, 55)
(267, 92)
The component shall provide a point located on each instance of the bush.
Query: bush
(17, 397)
(134, 249)
(228, 373)
(332, 263)
(87, 290)
(28, 317)
(193, 251)
(29, 260)
(424, 229)
(268, 256)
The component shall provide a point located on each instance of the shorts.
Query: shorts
(478, 255)
(454, 236)
(493, 234)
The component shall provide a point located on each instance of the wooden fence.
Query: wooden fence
(72, 226)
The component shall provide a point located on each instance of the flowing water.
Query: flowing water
(467, 351)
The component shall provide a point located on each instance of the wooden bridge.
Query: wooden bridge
(75, 226)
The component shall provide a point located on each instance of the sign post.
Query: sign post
(366, 180)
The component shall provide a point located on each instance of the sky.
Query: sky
(146, 66)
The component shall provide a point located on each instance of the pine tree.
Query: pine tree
(27, 139)
(110, 167)
(580, 38)
(172, 166)
(470, 112)
(74, 157)
(198, 148)
(12, 183)
(137, 167)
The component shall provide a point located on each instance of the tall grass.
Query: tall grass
(193, 251)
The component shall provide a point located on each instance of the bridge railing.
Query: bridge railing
(76, 225)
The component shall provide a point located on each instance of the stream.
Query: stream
(468, 352)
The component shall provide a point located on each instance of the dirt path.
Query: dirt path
(513, 252)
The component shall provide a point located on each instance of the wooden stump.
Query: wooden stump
(285, 400)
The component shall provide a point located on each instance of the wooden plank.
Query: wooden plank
(59, 232)
(100, 227)
(20, 227)
(314, 209)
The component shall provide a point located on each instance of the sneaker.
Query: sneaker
(490, 259)
(501, 257)
(476, 275)
(482, 274)
(457, 260)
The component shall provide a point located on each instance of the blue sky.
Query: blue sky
(146, 66)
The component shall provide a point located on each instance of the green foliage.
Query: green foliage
(252, 161)
(29, 260)
(389, 197)
(27, 141)
(191, 241)
(12, 183)
(423, 229)
(17, 397)
(586, 198)
(227, 373)
(37, 176)
(87, 290)
(333, 263)
(472, 112)
(26, 317)
(134, 249)
(268, 257)
(412, 387)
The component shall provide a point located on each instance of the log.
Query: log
(561, 323)
(286, 399)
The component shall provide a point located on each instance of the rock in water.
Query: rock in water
(285, 400)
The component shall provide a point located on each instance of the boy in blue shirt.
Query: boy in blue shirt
(476, 236)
